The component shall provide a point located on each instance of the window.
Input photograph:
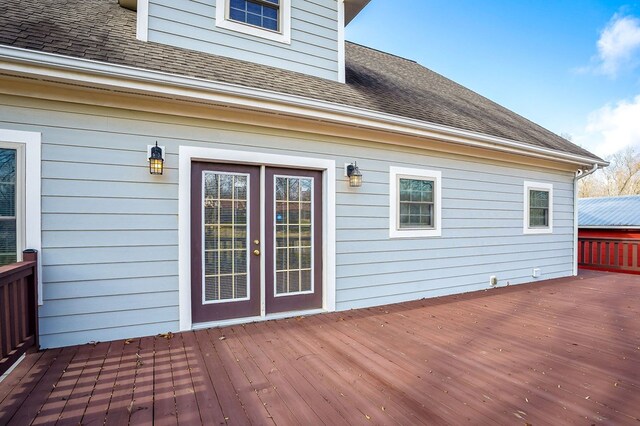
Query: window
(269, 19)
(538, 206)
(415, 203)
(8, 205)
(259, 13)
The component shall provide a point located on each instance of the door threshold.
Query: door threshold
(259, 318)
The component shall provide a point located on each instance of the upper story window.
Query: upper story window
(268, 19)
(415, 202)
(538, 206)
(261, 13)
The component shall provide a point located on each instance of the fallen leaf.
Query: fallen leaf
(368, 418)
(221, 338)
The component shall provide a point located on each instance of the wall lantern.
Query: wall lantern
(355, 177)
(156, 159)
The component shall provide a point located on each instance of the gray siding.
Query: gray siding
(110, 238)
(314, 35)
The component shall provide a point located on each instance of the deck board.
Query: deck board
(564, 351)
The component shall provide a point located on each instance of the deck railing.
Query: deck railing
(18, 309)
(609, 254)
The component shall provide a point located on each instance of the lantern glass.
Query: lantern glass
(156, 166)
(355, 181)
(156, 162)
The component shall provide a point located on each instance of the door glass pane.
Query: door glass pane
(8, 235)
(225, 221)
(293, 223)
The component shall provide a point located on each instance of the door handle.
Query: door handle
(256, 252)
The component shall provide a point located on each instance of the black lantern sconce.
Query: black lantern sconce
(355, 177)
(156, 160)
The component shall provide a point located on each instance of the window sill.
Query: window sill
(283, 37)
(536, 231)
(415, 233)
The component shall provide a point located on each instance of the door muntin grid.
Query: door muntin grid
(293, 247)
(225, 237)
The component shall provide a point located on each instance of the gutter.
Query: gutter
(580, 173)
(55, 67)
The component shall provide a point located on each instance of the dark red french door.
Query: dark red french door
(226, 251)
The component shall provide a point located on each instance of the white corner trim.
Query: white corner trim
(142, 20)
(394, 174)
(341, 50)
(120, 77)
(282, 36)
(540, 187)
(31, 143)
(187, 154)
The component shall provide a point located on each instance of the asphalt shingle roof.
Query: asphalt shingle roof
(609, 211)
(102, 31)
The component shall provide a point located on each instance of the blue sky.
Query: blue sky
(572, 66)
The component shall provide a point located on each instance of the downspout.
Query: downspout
(580, 173)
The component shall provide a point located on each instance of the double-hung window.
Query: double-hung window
(269, 19)
(259, 13)
(9, 228)
(415, 203)
(538, 206)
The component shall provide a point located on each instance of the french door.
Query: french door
(228, 278)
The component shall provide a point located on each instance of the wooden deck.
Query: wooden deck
(558, 352)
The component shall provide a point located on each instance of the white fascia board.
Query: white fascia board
(65, 68)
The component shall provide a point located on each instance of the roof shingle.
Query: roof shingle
(102, 31)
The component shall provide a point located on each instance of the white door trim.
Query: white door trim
(188, 154)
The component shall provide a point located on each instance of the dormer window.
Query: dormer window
(268, 19)
(259, 13)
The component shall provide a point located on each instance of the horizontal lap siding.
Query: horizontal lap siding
(192, 25)
(110, 230)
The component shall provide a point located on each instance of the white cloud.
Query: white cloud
(612, 128)
(618, 46)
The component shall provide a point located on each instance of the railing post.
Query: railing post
(31, 255)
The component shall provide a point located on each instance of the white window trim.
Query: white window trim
(394, 229)
(28, 207)
(538, 186)
(187, 154)
(282, 36)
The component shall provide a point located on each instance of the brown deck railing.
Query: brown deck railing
(609, 254)
(18, 309)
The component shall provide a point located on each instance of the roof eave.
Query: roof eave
(57, 67)
(352, 8)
